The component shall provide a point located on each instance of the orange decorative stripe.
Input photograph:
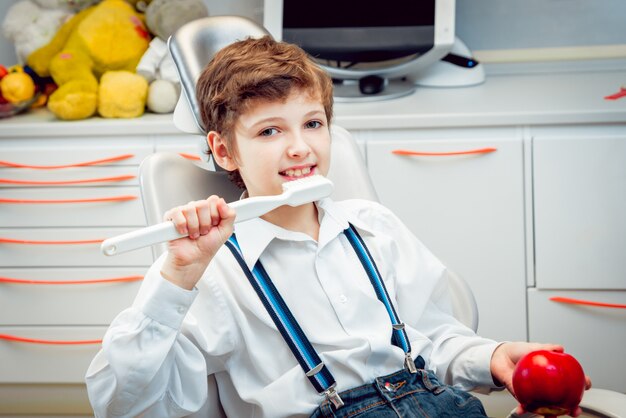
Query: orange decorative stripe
(93, 200)
(23, 241)
(38, 341)
(82, 164)
(572, 301)
(189, 156)
(442, 154)
(88, 281)
(62, 182)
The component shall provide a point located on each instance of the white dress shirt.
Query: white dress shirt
(156, 355)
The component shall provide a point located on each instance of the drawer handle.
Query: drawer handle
(13, 280)
(54, 201)
(442, 154)
(189, 156)
(15, 338)
(33, 242)
(561, 299)
(82, 164)
(63, 182)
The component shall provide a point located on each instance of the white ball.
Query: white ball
(162, 96)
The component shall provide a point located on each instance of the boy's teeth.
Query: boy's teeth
(298, 172)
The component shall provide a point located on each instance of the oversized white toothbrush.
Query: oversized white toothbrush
(295, 193)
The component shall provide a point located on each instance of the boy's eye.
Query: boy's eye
(268, 132)
(312, 124)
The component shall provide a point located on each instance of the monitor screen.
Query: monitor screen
(360, 30)
(361, 41)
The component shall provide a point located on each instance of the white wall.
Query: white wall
(514, 24)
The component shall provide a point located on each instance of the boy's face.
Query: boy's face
(279, 141)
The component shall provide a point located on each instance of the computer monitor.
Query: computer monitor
(373, 41)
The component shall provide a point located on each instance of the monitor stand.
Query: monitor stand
(357, 91)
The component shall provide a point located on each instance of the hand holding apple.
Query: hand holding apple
(549, 383)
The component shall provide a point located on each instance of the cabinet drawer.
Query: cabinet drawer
(75, 177)
(94, 151)
(56, 247)
(594, 335)
(54, 298)
(47, 363)
(84, 207)
(579, 207)
(93, 206)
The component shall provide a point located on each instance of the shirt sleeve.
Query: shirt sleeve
(154, 359)
(457, 355)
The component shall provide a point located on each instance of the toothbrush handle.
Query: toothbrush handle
(253, 207)
(144, 237)
(166, 231)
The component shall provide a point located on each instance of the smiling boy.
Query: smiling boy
(268, 109)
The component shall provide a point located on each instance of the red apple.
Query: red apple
(549, 383)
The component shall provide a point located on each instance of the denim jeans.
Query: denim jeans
(403, 394)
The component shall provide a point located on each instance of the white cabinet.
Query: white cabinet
(579, 183)
(467, 208)
(595, 335)
(59, 198)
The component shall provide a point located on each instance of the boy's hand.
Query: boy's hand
(208, 223)
(506, 356)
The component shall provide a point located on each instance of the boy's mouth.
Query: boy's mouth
(298, 172)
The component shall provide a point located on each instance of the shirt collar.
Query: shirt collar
(255, 235)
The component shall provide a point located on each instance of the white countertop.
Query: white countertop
(529, 97)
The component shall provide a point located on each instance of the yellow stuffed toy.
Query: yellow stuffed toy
(109, 36)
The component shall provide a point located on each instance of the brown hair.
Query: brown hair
(256, 69)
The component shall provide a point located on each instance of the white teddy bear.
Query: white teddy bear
(30, 24)
(163, 18)
(158, 68)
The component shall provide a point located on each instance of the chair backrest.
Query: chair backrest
(192, 47)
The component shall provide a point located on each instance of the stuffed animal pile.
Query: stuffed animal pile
(91, 50)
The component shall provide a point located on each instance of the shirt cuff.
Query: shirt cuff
(168, 304)
(480, 357)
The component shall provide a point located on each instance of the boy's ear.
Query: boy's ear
(220, 151)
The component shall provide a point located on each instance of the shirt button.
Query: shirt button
(343, 298)
(180, 310)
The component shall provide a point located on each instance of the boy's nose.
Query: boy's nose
(298, 146)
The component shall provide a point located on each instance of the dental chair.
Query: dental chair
(168, 180)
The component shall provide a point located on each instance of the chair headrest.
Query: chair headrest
(192, 47)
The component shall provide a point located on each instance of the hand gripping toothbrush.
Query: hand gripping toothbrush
(295, 193)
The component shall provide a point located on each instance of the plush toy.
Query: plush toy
(163, 18)
(122, 94)
(109, 36)
(30, 24)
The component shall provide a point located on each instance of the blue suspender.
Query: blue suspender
(399, 337)
(315, 370)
